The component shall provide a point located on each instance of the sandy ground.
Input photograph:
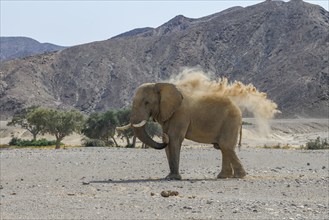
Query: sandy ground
(118, 183)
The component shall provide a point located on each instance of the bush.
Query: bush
(317, 144)
(246, 123)
(34, 143)
(14, 141)
(86, 142)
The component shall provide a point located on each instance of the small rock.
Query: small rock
(323, 167)
(187, 207)
(152, 193)
(321, 206)
(209, 202)
(85, 183)
(308, 164)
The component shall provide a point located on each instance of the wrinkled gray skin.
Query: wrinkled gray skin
(204, 119)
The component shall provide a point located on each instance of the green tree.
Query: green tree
(153, 129)
(101, 126)
(61, 124)
(31, 119)
(123, 116)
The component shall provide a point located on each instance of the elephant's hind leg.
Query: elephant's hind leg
(231, 165)
(239, 171)
(227, 171)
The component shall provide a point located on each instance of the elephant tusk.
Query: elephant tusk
(141, 124)
(125, 127)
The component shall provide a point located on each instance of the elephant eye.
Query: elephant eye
(146, 103)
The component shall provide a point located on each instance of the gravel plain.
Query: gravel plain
(119, 183)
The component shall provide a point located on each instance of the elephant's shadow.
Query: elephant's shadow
(160, 180)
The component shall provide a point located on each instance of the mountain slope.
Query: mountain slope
(19, 47)
(280, 47)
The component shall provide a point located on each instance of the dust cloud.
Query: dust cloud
(246, 97)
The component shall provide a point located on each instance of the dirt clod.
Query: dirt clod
(169, 193)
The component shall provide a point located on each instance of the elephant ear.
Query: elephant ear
(170, 99)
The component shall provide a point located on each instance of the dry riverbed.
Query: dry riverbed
(118, 183)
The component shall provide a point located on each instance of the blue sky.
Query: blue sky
(68, 23)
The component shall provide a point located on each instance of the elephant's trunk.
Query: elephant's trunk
(145, 138)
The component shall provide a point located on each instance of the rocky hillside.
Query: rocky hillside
(280, 47)
(19, 47)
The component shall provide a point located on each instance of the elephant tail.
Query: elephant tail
(239, 144)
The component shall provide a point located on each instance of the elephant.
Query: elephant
(201, 118)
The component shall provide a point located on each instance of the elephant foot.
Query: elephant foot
(172, 176)
(224, 175)
(239, 174)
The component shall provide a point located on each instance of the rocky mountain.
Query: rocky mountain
(134, 32)
(280, 47)
(19, 47)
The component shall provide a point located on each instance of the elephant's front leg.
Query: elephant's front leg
(173, 155)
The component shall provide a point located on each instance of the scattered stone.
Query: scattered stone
(308, 164)
(209, 202)
(85, 183)
(152, 193)
(323, 167)
(187, 207)
(70, 194)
